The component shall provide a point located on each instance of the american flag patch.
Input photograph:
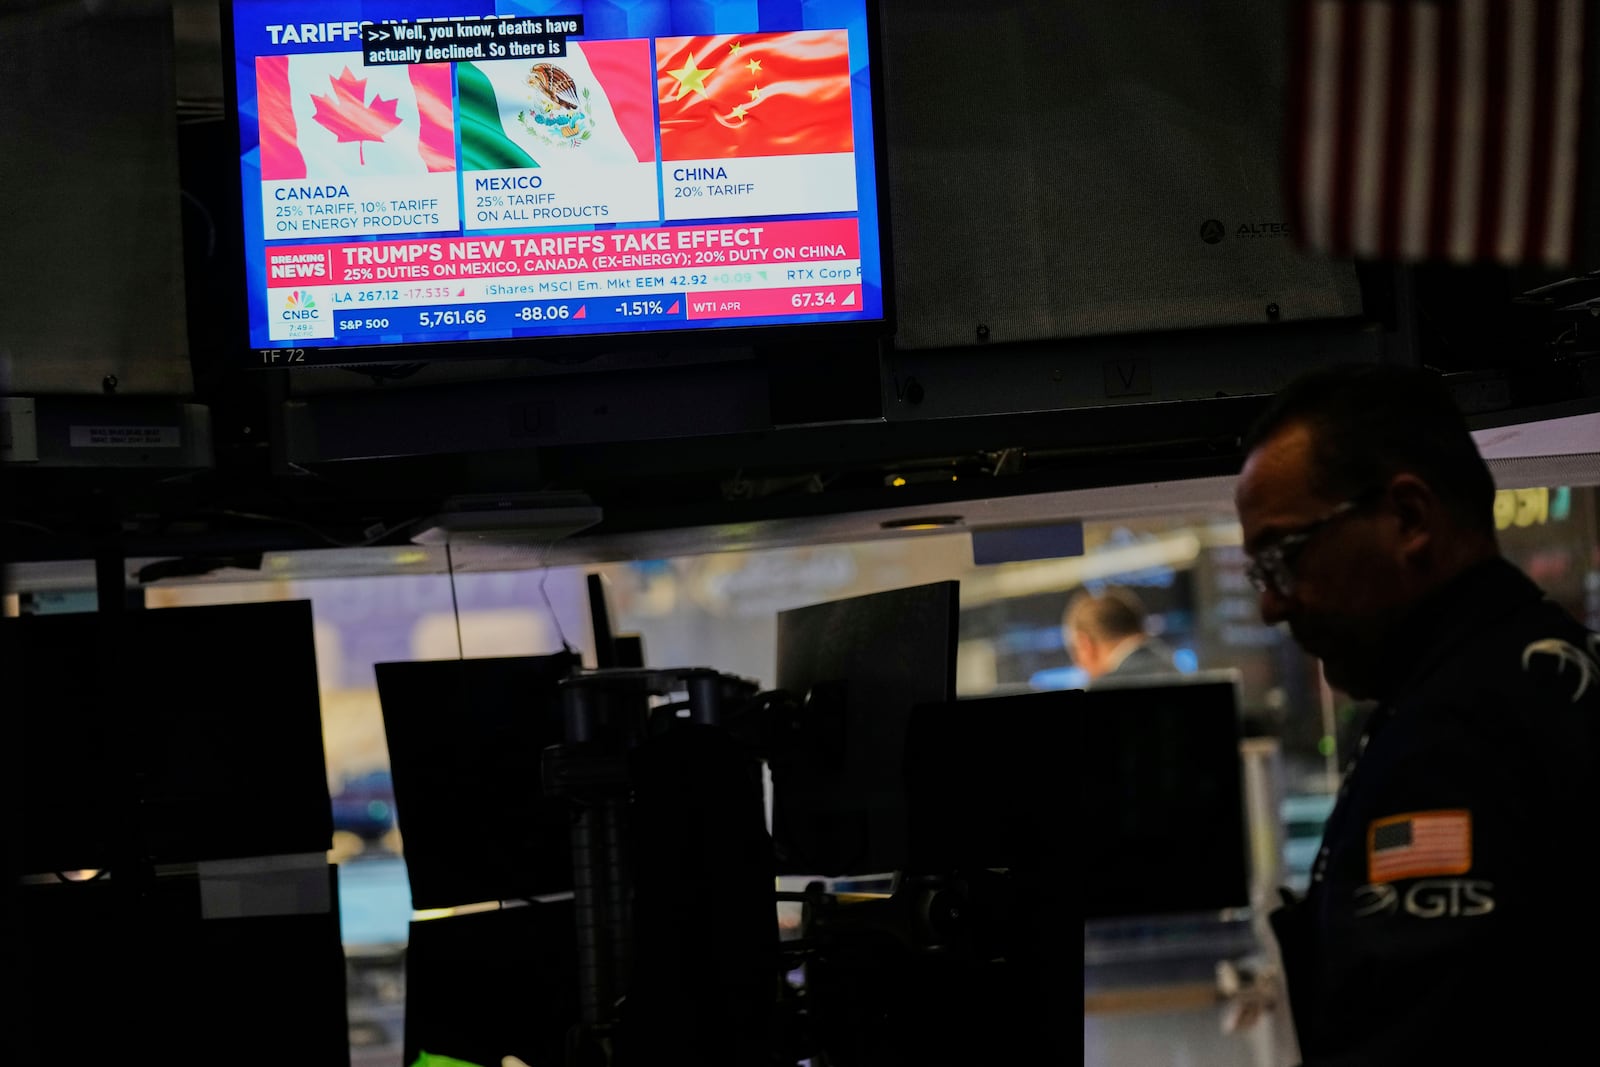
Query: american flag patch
(1422, 844)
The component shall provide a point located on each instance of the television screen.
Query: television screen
(421, 174)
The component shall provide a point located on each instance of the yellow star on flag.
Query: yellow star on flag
(755, 93)
(734, 47)
(754, 65)
(738, 112)
(690, 79)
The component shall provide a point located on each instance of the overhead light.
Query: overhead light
(920, 477)
(921, 522)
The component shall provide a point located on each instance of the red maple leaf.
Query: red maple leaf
(348, 117)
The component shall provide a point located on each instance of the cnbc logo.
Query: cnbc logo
(300, 307)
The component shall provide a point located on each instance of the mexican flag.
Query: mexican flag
(592, 104)
(762, 94)
(328, 116)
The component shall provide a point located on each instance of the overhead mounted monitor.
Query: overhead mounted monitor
(440, 179)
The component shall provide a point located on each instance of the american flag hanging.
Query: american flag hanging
(1442, 130)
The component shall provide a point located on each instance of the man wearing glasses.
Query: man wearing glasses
(1446, 904)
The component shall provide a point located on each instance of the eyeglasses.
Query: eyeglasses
(1272, 567)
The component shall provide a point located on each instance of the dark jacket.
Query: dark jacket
(1450, 902)
(1148, 658)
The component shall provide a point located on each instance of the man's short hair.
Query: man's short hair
(1110, 616)
(1369, 422)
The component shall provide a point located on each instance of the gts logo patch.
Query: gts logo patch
(1431, 898)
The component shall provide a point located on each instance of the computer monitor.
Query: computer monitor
(1162, 821)
(861, 664)
(1129, 797)
(178, 734)
(611, 649)
(481, 987)
(465, 738)
(983, 782)
(112, 967)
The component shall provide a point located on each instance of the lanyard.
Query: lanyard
(1375, 722)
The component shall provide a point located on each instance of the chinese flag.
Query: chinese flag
(768, 94)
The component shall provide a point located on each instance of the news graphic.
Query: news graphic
(425, 174)
(561, 140)
(756, 124)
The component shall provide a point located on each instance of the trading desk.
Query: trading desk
(1162, 1012)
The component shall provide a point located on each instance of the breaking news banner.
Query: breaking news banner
(694, 272)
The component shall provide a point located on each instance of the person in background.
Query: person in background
(1107, 636)
(1447, 905)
